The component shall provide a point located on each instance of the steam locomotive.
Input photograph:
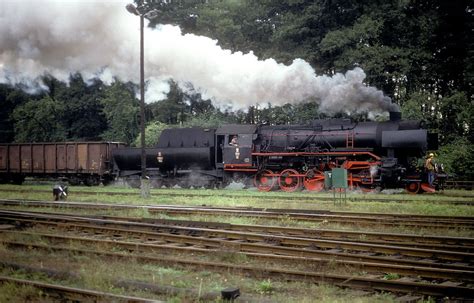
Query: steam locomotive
(289, 157)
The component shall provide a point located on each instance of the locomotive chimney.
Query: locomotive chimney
(395, 116)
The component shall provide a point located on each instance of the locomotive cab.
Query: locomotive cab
(234, 145)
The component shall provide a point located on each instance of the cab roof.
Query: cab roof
(236, 129)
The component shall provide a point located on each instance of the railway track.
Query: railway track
(428, 272)
(310, 198)
(70, 294)
(343, 218)
(462, 244)
(290, 244)
(460, 184)
(187, 294)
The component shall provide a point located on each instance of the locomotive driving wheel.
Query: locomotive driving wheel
(314, 180)
(289, 180)
(413, 187)
(264, 180)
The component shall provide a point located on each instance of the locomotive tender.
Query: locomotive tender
(289, 157)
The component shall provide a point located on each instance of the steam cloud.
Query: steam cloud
(100, 39)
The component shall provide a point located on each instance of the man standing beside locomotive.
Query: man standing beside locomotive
(430, 168)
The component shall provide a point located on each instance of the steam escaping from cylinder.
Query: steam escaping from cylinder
(100, 40)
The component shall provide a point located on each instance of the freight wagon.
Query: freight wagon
(78, 162)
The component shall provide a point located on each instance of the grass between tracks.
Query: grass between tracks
(93, 272)
(96, 273)
(282, 221)
(425, 204)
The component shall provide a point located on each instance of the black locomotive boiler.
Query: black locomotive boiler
(289, 157)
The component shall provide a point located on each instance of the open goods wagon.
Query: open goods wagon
(86, 162)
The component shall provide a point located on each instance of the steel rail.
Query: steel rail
(307, 215)
(313, 217)
(76, 293)
(311, 198)
(251, 247)
(407, 270)
(399, 286)
(462, 219)
(424, 241)
(188, 294)
(276, 241)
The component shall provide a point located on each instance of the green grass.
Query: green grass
(419, 204)
(12, 292)
(283, 221)
(252, 192)
(251, 199)
(391, 276)
(97, 273)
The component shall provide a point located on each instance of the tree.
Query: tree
(210, 119)
(84, 118)
(10, 98)
(83, 103)
(39, 121)
(152, 133)
(419, 107)
(173, 109)
(458, 158)
(120, 109)
(457, 117)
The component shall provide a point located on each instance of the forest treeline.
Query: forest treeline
(419, 53)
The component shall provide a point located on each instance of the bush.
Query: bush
(152, 133)
(458, 158)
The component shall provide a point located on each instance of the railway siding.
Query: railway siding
(142, 239)
(308, 246)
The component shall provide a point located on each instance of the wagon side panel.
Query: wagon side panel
(50, 158)
(71, 159)
(14, 158)
(61, 157)
(3, 158)
(38, 158)
(26, 158)
(95, 157)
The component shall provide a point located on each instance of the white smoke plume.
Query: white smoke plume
(100, 39)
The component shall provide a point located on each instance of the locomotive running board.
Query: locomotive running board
(309, 154)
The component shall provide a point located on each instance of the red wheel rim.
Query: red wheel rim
(264, 180)
(314, 180)
(289, 180)
(413, 187)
